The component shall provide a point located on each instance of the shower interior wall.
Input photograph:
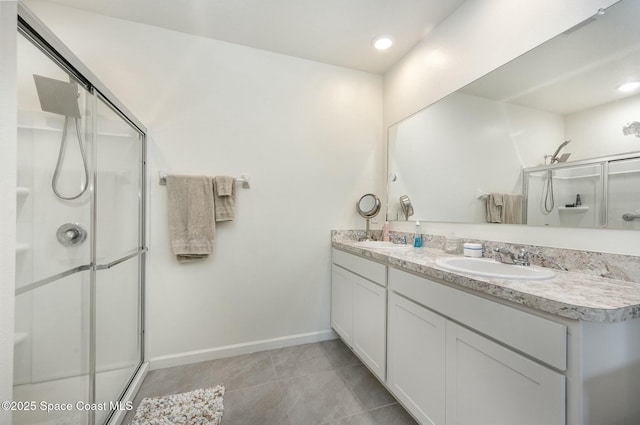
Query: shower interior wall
(40, 213)
(52, 321)
(309, 134)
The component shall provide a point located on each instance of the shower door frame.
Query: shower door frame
(47, 42)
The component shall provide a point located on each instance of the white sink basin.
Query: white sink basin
(381, 244)
(491, 268)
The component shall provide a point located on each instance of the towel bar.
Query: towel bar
(481, 194)
(244, 179)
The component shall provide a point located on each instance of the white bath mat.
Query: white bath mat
(199, 407)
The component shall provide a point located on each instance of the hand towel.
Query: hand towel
(225, 197)
(224, 185)
(191, 216)
(494, 208)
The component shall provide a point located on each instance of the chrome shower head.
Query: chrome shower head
(631, 128)
(58, 97)
(554, 157)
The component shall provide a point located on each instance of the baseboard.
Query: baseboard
(161, 362)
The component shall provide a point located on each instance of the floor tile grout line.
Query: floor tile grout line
(346, 384)
(341, 377)
(284, 401)
(268, 381)
(395, 401)
(273, 363)
(385, 405)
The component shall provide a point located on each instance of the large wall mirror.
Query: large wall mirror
(489, 147)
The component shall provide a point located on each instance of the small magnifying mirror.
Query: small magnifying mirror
(368, 207)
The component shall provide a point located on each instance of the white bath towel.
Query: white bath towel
(191, 216)
(225, 197)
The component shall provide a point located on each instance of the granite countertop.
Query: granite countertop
(568, 294)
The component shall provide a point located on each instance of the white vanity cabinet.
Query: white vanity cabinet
(454, 358)
(416, 372)
(489, 384)
(359, 308)
(462, 351)
(342, 284)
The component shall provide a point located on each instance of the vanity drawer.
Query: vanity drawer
(533, 335)
(368, 269)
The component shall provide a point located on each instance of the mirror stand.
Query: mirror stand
(368, 207)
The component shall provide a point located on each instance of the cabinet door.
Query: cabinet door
(342, 303)
(488, 384)
(416, 367)
(370, 324)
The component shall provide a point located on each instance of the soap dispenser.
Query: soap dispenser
(417, 237)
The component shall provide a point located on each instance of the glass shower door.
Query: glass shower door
(80, 244)
(51, 344)
(119, 157)
(623, 194)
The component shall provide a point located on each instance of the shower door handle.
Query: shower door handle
(631, 216)
(121, 260)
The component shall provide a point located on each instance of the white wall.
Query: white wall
(8, 136)
(309, 135)
(477, 38)
(598, 131)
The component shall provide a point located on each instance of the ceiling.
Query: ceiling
(579, 69)
(338, 32)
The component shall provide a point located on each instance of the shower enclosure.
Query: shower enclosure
(80, 239)
(608, 189)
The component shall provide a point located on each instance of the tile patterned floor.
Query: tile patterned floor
(312, 384)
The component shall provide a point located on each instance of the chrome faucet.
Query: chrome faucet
(521, 258)
(395, 238)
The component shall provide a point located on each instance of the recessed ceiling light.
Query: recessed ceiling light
(383, 42)
(630, 86)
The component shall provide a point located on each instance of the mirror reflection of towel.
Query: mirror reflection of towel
(494, 208)
(504, 208)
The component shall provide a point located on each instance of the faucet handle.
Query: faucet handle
(395, 238)
(523, 257)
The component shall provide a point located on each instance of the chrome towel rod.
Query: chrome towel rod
(244, 179)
